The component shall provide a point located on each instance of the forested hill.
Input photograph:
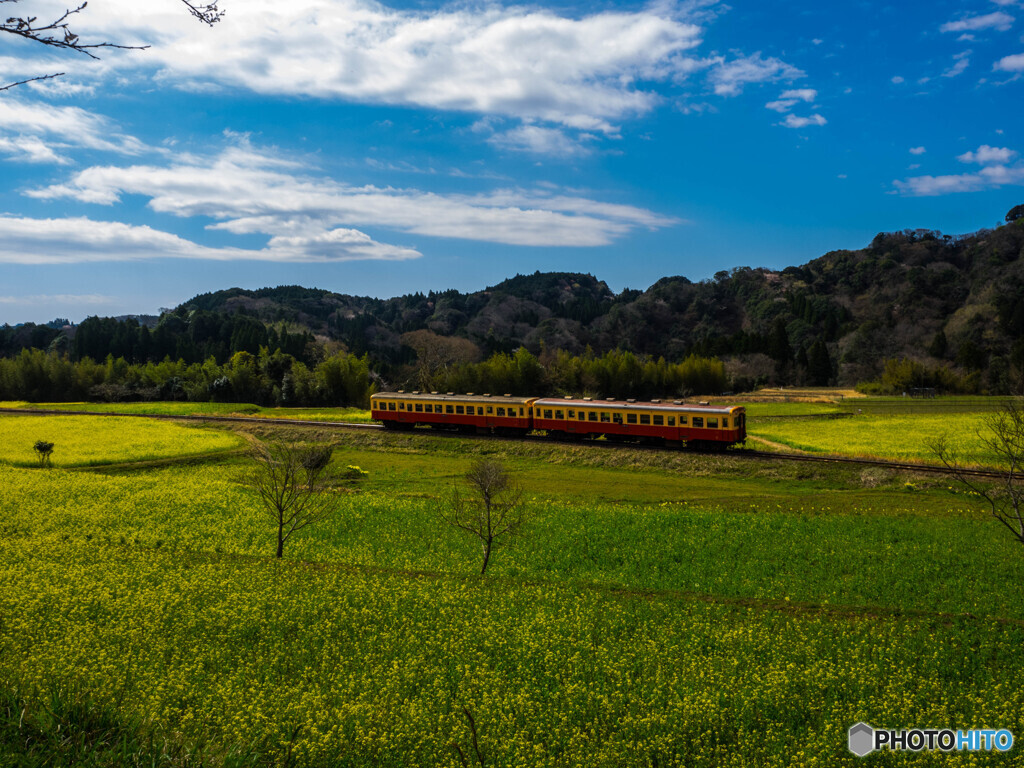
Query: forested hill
(954, 304)
(919, 294)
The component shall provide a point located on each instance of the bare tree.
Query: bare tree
(493, 511)
(56, 33)
(294, 483)
(1003, 434)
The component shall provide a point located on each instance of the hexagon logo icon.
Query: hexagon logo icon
(861, 739)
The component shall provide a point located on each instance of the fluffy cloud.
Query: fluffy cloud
(792, 121)
(82, 240)
(1013, 63)
(788, 99)
(986, 155)
(996, 20)
(729, 77)
(246, 191)
(917, 150)
(995, 173)
(522, 62)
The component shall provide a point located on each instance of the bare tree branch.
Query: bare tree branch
(496, 511)
(30, 80)
(58, 33)
(295, 485)
(1003, 435)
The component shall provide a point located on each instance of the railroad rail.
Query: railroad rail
(745, 453)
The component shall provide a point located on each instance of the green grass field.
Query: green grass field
(659, 609)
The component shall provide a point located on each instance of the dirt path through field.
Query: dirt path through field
(777, 446)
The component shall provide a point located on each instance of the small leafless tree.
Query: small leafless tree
(56, 33)
(294, 483)
(1003, 434)
(492, 511)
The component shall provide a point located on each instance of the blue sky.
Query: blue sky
(381, 149)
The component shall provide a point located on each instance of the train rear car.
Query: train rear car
(704, 427)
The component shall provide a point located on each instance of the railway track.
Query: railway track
(744, 453)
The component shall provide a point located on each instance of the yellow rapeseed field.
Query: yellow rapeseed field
(91, 440)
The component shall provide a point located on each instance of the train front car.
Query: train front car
(704, 427)
(483, 414)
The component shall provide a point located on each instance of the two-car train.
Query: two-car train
(672, 423)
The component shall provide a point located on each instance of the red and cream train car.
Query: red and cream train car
(501, 414)
(672, 423)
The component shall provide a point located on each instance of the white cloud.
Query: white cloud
(522, 62)
(34, 131)
(1013, 63)
(89, 299)
(792, 121)
(728, 77)
(246, 191)
(986, 155)
(788, 99)
(989, 177)
(538, 140)
(897, 79)
(995, 20)
(917, 150)
(962, 61)
(82, 240)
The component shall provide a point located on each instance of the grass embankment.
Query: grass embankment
(660, 609)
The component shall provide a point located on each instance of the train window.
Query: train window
(490, 409)
(583, 416)
(501, 411)
(547, 414)
(682, 419)
(712, 423)
(592, 416)
(725, 422)
(391, 406)
(605, 416)
(520, 411)
(401, 406)
(572, 414)
(559, 415)
(671, 421)
(470, 410)
(645, 418)
(460, 409)
(449, 409)
(659, 421)
(631, 418)
(617, 418)
(698, 421)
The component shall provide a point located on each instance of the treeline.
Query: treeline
(278, 379)
(267, 378)
(903, 375)
(614, 374)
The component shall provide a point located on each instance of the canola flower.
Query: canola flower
(92, 440)
(375, 669)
